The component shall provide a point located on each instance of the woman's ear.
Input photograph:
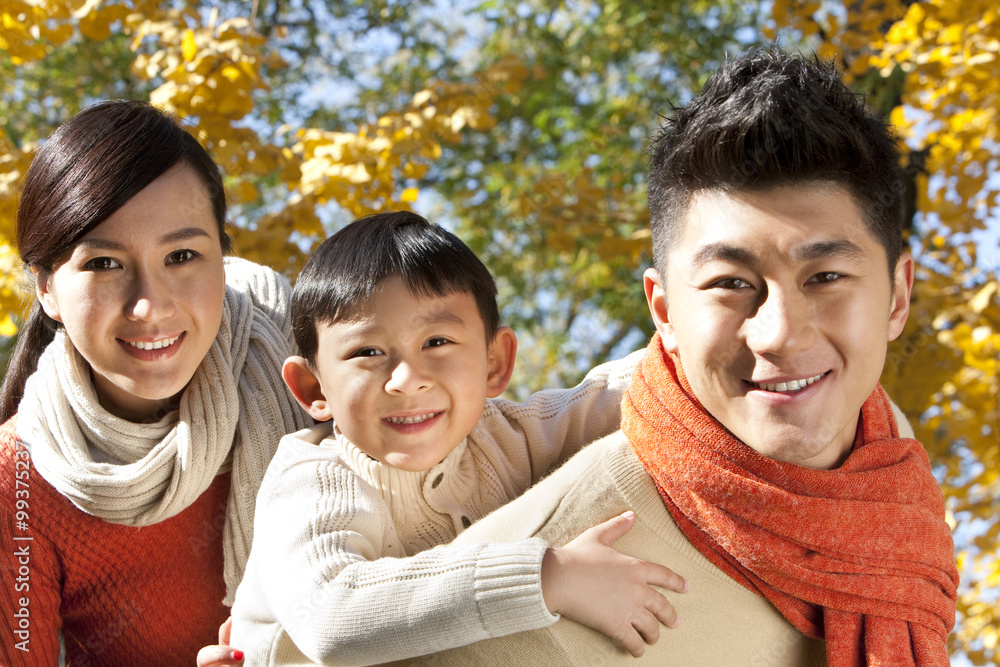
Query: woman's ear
(502, 352)
(305, 386)
(46, 297)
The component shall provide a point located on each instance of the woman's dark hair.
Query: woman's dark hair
(349, 266)
(90, 167)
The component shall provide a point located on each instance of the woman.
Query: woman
(148, 398)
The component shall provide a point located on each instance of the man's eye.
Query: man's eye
(181, 256)
(731, 283)
(101, 264)
(827, 277)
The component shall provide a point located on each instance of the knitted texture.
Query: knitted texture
(342, 570)
(120, 595)
(234, 410)
(860, 555)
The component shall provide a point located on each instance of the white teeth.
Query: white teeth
(410, 420)
(793, 385)
(156, 345)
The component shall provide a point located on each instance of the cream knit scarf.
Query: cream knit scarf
(234, 411)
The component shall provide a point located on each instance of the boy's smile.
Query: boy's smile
(779, 305)
(406, 377)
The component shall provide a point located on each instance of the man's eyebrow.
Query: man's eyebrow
(823, 249)
(723, 252)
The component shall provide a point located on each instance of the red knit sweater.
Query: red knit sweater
(120, 595)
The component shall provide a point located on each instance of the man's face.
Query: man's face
(779, 305)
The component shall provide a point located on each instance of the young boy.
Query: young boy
(401, 355)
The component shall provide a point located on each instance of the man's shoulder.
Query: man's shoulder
(603, 480)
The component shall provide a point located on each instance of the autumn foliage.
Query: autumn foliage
(537, 151)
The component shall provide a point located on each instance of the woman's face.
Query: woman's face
(140, 295)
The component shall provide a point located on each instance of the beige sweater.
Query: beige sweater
(721, 622)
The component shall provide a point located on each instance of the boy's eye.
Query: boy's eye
(101, 264)
(436, 342)
(366, 352)
(181, 256)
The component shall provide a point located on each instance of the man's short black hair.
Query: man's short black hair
(766, 119)
(348, 268)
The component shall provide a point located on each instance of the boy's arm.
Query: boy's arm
(318, 541)
(554, 424)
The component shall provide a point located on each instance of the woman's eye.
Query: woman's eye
(181, 256)
(101, 264)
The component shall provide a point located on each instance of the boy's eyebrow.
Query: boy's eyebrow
(442, 316)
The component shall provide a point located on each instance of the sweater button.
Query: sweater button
(437, 480)
(466, 522)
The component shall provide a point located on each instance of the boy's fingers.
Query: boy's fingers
(632, 642)
(663, 611)
(664, 577)
(648, 627)
(609, 531)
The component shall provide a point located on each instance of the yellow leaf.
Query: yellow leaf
(981, 300)
(7, 327)
(95, 27)
(409, 195)
(188, 47)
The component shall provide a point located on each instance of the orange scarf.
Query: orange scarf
(859, 556)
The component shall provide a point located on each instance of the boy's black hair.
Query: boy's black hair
(349, 266)
(767, 119)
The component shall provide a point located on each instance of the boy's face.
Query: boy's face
(406, 378)
(778, 304)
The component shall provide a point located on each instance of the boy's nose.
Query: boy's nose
(407, 377)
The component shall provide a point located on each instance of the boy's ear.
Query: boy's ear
(656, 298)
(305, 387)
(502, 351)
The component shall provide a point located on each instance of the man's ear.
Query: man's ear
(902, 286)
(305, 387)
(46, 298)
(502, 352)
(656, 299)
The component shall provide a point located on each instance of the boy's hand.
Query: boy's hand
(591, 583)
(221, 655)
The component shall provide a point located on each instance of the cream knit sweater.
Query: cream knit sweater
(338, 573)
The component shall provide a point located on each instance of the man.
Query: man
(761, 457)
